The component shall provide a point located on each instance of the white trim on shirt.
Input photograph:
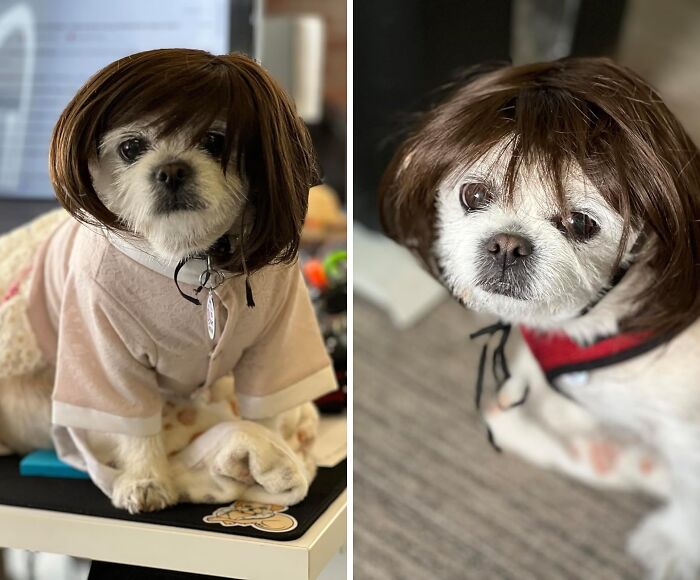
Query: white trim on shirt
(140, 251)
(68, 415)
(307, 389)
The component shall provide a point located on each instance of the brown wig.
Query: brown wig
(586, 111)
(174, 88)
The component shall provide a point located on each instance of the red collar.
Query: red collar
(558, 354)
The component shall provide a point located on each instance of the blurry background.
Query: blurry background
(47, 52)
(432, 499)
(49, 49)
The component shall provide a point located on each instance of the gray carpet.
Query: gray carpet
(432, 500)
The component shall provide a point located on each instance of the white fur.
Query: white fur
(656, 395)
(25, 412)
(251, 462)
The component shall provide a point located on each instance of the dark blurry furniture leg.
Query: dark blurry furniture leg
(109, 571)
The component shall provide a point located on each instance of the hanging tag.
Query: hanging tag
(210, 280)
(211, 315)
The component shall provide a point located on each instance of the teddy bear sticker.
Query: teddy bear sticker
(261, 516)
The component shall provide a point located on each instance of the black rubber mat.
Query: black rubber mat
(82, 497)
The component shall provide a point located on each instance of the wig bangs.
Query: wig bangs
(176, 93)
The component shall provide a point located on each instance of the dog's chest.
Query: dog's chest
(610, 395)
(635, 382)
(649, 389)
(187, 357)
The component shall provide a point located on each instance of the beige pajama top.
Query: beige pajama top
(122, 339)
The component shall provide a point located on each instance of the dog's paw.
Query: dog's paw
(137, 495)
(664, 548)
(236, 467)
(256, 460)
(307, 428)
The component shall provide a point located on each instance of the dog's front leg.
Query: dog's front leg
(667, 541)
(145, 483)
(525, 375)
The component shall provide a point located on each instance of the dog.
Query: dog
(184, 179)
(564, 197)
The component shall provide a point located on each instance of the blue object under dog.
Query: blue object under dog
(45, 463)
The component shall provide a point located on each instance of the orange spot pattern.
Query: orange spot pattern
(646, 465)
(187, 416)
(603, 456)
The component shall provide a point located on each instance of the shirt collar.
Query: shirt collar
(141, 252)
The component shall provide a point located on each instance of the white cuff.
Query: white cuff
(69, 415)
(307, 389)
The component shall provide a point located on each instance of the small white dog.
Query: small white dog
(188, 174)
(564, 197)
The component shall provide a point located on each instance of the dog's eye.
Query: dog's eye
(577, 226)
(132, 148)
(214, 143)
(474, 196)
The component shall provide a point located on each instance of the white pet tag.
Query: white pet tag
(211, 315)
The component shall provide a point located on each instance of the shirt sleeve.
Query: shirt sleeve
(105, 377)
(289, 365)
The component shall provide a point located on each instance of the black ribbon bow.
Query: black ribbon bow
(222, 247)
(193, 299)
(499, 370)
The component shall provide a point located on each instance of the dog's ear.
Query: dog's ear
(277, 158)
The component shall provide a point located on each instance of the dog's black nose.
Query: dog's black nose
(509, 248)
(173, 175)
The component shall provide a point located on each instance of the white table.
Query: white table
(188, 550)
(180, 549)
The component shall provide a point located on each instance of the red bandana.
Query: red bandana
(557, 354)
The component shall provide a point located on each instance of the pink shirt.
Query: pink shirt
(122, 339)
